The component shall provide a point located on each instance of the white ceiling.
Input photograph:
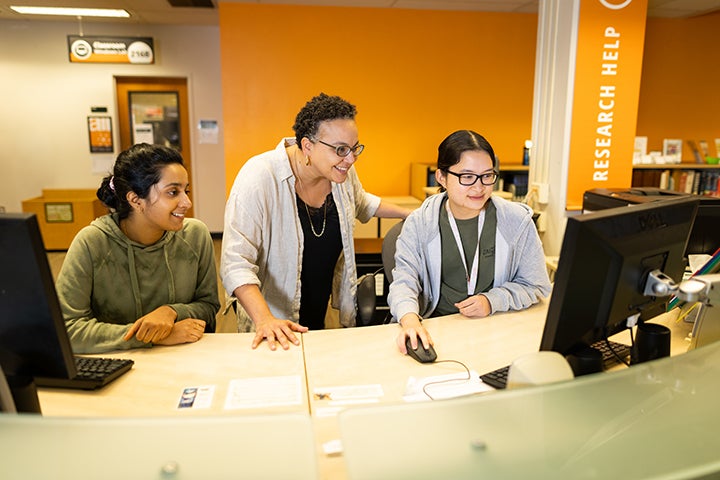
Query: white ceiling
(160, 11)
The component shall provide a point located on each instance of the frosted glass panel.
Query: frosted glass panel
(658, 419)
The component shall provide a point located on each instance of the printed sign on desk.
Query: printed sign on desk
(89, 49)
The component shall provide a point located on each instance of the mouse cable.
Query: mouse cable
(449, 380)
(614, 352)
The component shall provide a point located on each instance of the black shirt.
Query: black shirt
(321, 248)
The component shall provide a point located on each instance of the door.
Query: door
(155, 110)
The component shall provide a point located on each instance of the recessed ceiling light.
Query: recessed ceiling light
(73, 12)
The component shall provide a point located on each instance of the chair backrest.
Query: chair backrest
(388, 249)
(366, 300)
(366, 294)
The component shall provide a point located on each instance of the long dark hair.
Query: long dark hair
(136, 169)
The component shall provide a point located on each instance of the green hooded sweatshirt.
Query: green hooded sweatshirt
(107, 282)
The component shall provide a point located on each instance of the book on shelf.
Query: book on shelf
(697, 154)
(709, 183)
(704, 149)
(665, 180)
(685, 180)
(690, 182)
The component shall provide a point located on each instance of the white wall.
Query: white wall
(45, 101)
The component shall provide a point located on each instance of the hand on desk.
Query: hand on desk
(185, 331)
(273, 329)
(413, 329)
(154, 326)
(475, 306)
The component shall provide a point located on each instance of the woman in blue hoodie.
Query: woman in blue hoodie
(465, 251)
(144, 274)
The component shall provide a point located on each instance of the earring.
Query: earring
(307, 161)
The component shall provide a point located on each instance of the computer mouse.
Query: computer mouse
(421, 354)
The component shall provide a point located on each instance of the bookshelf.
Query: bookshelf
(513, 179)
(699, 179)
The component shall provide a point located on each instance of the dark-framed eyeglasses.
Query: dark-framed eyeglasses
(344, 150)
(468, 179)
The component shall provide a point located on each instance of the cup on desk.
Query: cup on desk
(585, 360)
(651, 341)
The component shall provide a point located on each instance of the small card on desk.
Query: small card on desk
(196, 397)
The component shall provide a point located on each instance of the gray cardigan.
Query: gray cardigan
(521, 276)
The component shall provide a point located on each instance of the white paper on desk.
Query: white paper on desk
(264, 392)
(454, 385)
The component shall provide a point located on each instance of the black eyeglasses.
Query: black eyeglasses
(468, 179)
(344, 150)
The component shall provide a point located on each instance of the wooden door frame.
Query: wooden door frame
(125, 84)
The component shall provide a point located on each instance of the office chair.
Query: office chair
(366, 298)
(388, 249)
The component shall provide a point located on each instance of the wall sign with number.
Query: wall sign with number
(88, 49)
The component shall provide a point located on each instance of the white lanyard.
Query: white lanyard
(470, 277)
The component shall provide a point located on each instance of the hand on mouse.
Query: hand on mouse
(413, 329)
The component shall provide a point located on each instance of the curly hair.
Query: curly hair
(136, 169)
(320, 109)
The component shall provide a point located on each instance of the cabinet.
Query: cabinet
(62, 213)
(513, 179)
(378, 227)
(700, 179)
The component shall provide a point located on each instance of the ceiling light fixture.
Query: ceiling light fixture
(72, 12)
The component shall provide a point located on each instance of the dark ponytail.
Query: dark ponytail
(136, 169)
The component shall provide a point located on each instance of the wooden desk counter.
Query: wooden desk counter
(156, 381)
(369, 356)
(330, 358)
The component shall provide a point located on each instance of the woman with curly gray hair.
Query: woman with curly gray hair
(289, 219)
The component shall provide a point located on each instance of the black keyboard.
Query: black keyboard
(92, 373)
(498, 378)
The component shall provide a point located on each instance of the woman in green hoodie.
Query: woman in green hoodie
(144, 274)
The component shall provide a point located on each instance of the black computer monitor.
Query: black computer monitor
(33, 338)
(705, 235)
(604, 263)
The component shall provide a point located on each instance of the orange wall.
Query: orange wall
(680, 89)
(415, 76)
